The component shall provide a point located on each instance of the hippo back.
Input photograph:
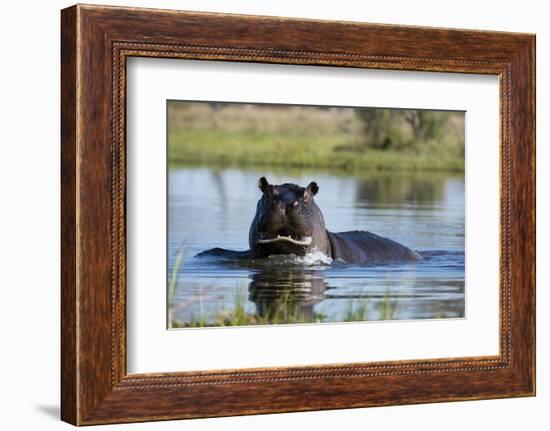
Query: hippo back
(363, 247)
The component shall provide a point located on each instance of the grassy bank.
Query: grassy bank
(251, 149)
(306, 137)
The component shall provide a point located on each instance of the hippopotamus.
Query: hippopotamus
(288, 221)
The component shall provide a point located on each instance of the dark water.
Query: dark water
(214, 208)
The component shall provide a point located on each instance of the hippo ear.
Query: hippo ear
(313, 188)
(263, 184)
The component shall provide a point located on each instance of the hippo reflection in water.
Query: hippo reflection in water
(287, 296)
(288, 221)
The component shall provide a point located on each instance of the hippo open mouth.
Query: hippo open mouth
(283, 241)
(305, 241)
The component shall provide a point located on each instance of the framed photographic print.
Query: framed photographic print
(263, 215)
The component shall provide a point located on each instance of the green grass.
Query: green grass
(245, 149)
(310, 137)
(172, 284)
(357, 310)
(286, 312)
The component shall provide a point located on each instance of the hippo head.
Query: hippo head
(287, 221)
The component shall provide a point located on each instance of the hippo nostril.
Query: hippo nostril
(292, 205)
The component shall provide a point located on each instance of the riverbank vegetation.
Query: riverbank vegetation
(286, 311)
(349, 139)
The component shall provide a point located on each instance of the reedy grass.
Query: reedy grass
(172, 284)
(387, 307)
(357, 310)
(246, 149)
(286, 312)
(283, 311)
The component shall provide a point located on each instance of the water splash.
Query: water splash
(313, 258)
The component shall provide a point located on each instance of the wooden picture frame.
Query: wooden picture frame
(95, 43)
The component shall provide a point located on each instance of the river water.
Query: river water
(214, 208)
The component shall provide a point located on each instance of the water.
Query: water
(214, 208)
